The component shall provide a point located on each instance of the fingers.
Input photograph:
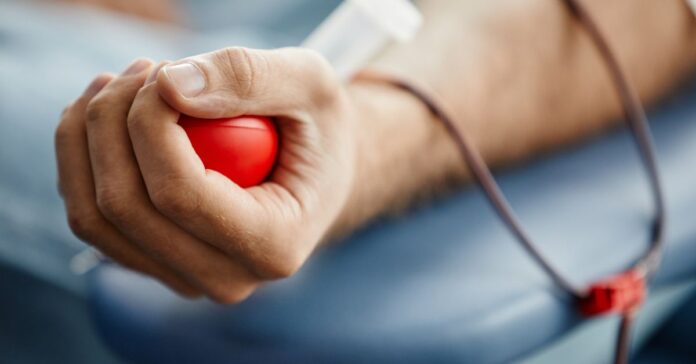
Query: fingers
(237, 81)
(153, 73)
(123, 199)
(206, 203)
(77, 189)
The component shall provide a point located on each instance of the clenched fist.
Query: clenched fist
(134, 187)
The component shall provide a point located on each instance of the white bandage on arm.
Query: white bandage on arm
(692, 4)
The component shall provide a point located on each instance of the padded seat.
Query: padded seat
(444, 283)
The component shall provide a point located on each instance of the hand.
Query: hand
(149, 202)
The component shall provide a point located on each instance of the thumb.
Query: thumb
(240, 81)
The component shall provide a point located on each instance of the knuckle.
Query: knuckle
(114, 204)
(242, 68)
(98, 107)
(66, 110)
(319, 69)
(174, 199)
(229, 295)
(83, 223)
(135, 118)
(64, 130)
(316, 61)
(62, 134)
(281, 265)
(146, 90)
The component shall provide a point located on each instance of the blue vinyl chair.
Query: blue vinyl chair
(446, 282)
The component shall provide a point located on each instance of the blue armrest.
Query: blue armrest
(446, 283)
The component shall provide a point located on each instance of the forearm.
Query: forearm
(520, 78)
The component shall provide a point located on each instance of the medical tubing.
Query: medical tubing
(636, 119)
(638, 123)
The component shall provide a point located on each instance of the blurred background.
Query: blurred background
(50, 50)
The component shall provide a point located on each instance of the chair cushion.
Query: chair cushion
(444, 283)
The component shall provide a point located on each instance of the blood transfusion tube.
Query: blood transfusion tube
(244, 148)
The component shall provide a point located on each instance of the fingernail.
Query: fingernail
(135, 67)
(97, 84)
(187, 79)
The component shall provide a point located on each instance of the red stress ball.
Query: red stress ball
(243, 148)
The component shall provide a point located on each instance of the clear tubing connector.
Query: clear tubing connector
(358, 29)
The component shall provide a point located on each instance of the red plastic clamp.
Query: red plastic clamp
(617, 294)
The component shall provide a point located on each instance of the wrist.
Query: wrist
(396, 156)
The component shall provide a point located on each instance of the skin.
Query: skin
(134, 188)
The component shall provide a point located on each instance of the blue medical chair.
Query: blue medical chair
(446, 282)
